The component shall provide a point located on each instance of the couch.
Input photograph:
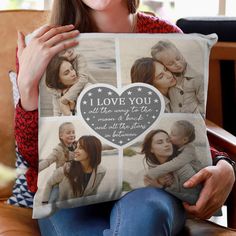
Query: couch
(18, 221)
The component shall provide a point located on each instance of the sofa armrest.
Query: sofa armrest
(225, 141)
(221, 139)
(17, 221)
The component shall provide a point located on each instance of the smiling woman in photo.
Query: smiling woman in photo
(147, 70)
(60, 77)
(171, 165)
(81, 176)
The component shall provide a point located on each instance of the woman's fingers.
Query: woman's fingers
(201, 205)
(42, 30)
(213, 194)
(166, 180)
(63, 45)
(146, 180)
(20, 43)
(169, 180)
(55, 39)
(55, 31)
(61, 37)
(198, 178)
(34, 58)
(65, 109)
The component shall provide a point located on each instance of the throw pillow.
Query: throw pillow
(123, 112)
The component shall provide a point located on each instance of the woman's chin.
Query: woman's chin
(169, 153)
(75, 80)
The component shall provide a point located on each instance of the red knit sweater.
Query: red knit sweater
(26, 122)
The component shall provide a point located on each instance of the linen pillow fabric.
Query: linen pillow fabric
(101, 135)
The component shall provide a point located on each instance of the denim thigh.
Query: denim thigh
(82, 221)
(147, 212)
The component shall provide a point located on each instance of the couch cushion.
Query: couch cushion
(223, 26)
(17, 221)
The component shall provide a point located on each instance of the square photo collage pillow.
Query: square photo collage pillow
(120, 112)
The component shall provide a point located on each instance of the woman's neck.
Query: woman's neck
(114, 20)
(164, 92)
(63, 91)
(162, 159)
(86, 166)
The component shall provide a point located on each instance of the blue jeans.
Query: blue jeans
(146, 211)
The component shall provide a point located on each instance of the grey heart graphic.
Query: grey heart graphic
(120, 118)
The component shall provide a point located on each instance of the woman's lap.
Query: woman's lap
(86, 221)
(146, 212)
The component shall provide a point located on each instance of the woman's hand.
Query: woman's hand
(65, 109)
(34, 58)
(166, 180)
(151, 182)
(217, 183)
(72, 105)
(163, 181)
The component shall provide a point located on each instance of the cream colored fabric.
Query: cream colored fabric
(65, 189)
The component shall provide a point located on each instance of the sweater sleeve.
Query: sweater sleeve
(49, 160)
(74, 91)
(26, 135)
(56, 178)
(176, 163)
(215, 153)
(153, 24)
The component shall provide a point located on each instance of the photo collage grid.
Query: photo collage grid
(118, 114)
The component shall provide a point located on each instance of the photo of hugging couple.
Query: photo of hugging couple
(167, 70)
(78, 171)
(73, 163)
(159, 62)
(168, 156)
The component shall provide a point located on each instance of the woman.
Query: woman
(173, 170)
(60, 78)
(80, 65)
(80, 177)
(159, 209)
(192, 98)
(147, 70)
